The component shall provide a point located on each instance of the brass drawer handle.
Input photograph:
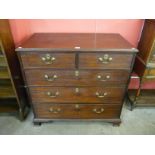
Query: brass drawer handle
(105, 59)
(101, 95)
(103, 79)
(77, 74)
(98, 111)
(52, 78)
(50, 94)
(77, 107)
(77, 91)
(55, 111)
(48, 59)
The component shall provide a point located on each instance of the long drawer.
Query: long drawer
(77, 111)
(77, 94)
(48, 60)
(49, 77)
(105, 61)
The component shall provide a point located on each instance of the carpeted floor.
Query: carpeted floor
(139, 121)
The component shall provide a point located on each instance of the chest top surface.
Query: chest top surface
(76, 42)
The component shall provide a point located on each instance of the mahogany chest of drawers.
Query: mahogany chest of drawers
(76, 76)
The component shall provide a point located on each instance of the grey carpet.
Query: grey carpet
(139, 121)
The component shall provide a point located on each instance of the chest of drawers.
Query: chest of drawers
(76, 76)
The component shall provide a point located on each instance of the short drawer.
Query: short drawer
(77, 94)
(77, 111)
(48, 77)
(105, 61)
(48, 60)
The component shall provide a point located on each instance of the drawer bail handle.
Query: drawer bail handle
(101, 96)
(52, 94)
(55, 111)
(105, 59)
(52, 78)
(48, 59)
(98, 111)
(103, 79)
(77, 74)
(77, 91)
(77, 107)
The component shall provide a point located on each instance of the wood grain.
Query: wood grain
(145, 62)
(146, 43)
(68, 42)
(4, 73)
(9, 61)
(69, 88)
(91, 61)
(34, 60)
(85, 95)
(3, 62)
(7, 92)
(83, 111)
(68, 77)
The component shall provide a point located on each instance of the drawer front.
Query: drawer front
(49, 77)
(104, 61)
(77, 111)
(48, 60)
(77, 94)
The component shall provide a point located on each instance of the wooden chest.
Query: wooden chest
(76, 76)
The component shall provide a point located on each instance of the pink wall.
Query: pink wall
(130, 29)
